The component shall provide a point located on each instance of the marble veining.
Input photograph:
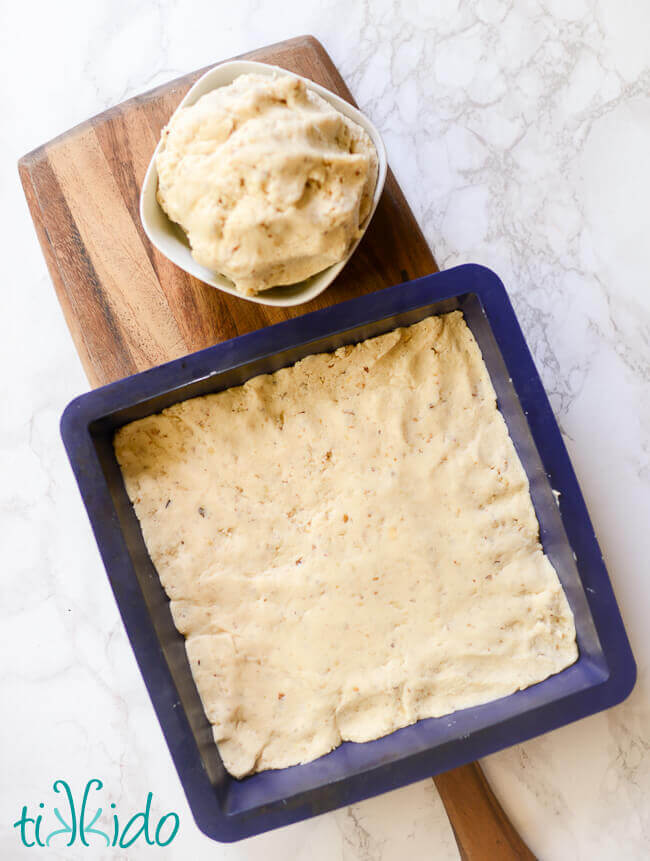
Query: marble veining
(519, 133)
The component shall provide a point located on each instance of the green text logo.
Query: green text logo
(77, 825)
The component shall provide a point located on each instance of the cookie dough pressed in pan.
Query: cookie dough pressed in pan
(348, 544)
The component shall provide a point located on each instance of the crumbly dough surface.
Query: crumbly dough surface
(270, 182)
(348, 544)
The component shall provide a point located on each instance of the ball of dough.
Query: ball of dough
(270, 183)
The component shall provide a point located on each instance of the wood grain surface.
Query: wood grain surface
(128, 308)
(126, 305)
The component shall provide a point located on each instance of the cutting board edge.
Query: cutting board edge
(34, 206)
(26, 161)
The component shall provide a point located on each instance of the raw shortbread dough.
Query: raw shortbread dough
(268, 180)
(349, 545)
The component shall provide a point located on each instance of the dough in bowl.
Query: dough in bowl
(270, 183)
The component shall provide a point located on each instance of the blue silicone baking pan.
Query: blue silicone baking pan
(227, 809)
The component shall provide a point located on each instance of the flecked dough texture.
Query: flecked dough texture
(270, 182)
(349, 545)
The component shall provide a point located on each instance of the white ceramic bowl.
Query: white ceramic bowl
(170, 239)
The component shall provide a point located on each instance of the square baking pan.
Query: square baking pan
(227, 809)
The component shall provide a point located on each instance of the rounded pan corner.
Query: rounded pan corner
(75, 419)
(216, 827)
(623, 678)
(487, 278)
(223, 828)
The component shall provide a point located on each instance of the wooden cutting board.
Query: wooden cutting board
(128, 308)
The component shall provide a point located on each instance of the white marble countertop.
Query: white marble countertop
(519, 133)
